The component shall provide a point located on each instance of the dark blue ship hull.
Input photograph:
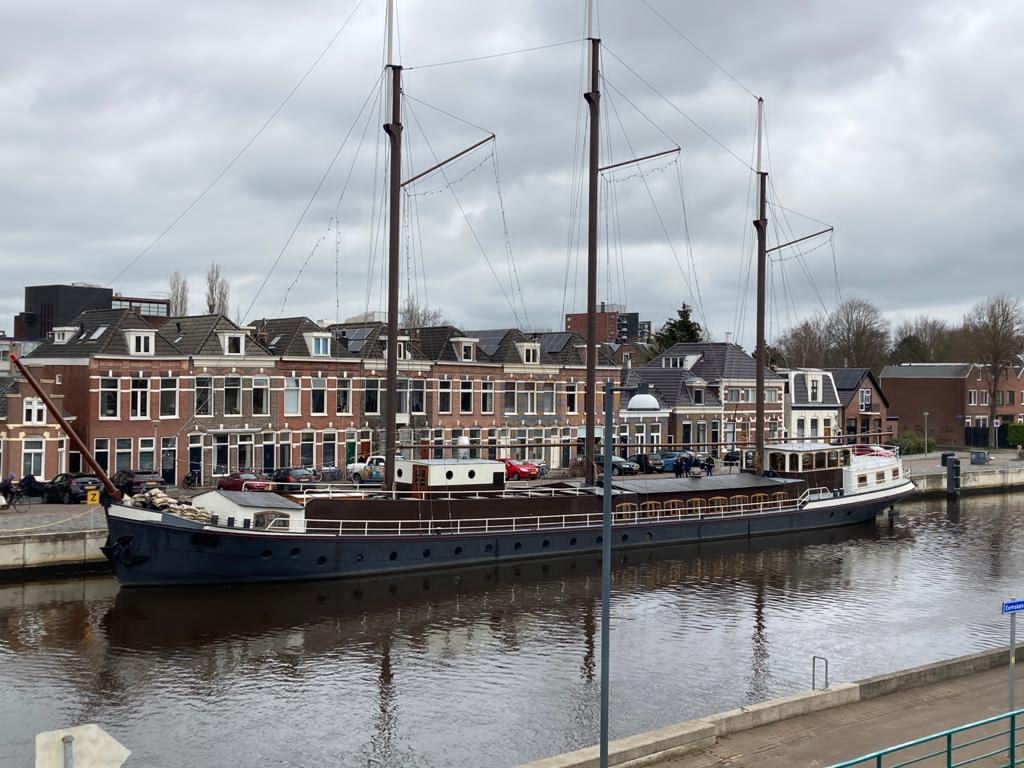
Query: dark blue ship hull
(151, 548)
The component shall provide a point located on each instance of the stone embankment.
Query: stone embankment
(785, 731)
(1004, 472)
(41, 538)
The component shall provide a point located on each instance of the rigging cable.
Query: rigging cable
(514, 272)
(252, 139)
(575, 199)
(309, 204)
(471, 59)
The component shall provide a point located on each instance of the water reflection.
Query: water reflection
(496, 665)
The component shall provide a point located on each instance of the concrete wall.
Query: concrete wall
(654, 746)
(972, 480)
(51, 550)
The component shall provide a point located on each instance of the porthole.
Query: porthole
(398, 473)
(545, 543)
(599, 539)
(321, 560)
(458, 550)
(426, 553)
(472, 474)
(449, 475)
(488, 548)
(265, 554)
(393, 556)
(295, 551)
(518, 546)
(625, 537)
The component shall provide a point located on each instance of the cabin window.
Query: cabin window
(880, 477)
(820, 460)
(833, 459)
(777, 462)
(807, 461)
(794, 463)
(862, 481)
(845, 456)
(896, 474)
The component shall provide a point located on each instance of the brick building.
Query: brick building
(864, 408)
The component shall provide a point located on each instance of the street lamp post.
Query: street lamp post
(641, 401)
(926, 434)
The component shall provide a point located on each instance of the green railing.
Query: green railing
(990, 743)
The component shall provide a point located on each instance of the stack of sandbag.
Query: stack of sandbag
(157, 499)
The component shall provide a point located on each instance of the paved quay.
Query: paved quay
(41, 538)
(48, 518)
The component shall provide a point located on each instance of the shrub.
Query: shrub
(1015, 434)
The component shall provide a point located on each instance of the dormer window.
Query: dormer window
(530, 353)
(232, 343)
(141, 342)
(403, 348)
(698, 396)
(467, 352)
(319, 344)
(64, 334)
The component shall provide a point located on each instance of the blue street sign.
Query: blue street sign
(1012, 606)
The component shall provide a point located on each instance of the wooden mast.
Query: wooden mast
(761, 225)
(593, 97)
(393, 128)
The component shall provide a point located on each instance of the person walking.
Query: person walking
(677, 466)
(709, 466)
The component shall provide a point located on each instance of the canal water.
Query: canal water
(497, 666)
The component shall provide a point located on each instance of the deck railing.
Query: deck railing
(991, 742)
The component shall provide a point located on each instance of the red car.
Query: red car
(517, 469)
(244, 481)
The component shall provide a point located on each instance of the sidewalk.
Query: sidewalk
(842, 733)
(50, 518)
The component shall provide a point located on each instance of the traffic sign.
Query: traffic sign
(92, 497)
(90, 745)
(1012, 606)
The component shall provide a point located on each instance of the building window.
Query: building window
(814, 427)
(291, 397)
(140, 343)
(865, 399)
(261, 396)
(284, 449)
(109, 399)
(771, 395)
(204, 396)
(444, 397)
(122, 453)
(698, 397)
(526, 397)
(168, 398)
(814, 391)
(330, 449)
(983, 397)
(371, 397)
(32, 458)
(1009, 396)
(531, 354)
(220, 454)
(467, 352)
(570, 398)
(800, 428)
(101, 452)
(139, 404)
(146, 453)
(233, 344)
(972, 397)
(465, 397)
(547, 398)
(508, 397)
(321, 346)
(344, 390)
(232, 396)
(245, 452)
(307, 446)
(34, 412)
(417, 396)
(486, 397)
(318, 397)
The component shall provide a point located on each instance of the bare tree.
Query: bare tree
(179, 295)
(805, 345)
(217, 291)
(858, 336)
(995, 328)
(412, 315)
(922, 340)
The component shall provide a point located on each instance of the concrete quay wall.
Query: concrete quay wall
(654, 746)
(21, 553)
(985, 479)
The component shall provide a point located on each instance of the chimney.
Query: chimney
(728, 337)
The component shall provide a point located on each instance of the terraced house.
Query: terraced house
(202, 394)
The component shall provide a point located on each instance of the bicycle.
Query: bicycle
(191, 480)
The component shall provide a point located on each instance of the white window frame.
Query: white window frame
(36, 453)
(33, 411)
(292, 396)
(208, 413)
(141, 344)
(116, 390)
(463, 391)
(239, 408)
(486, 397)
(366, 389)
(346, 386)
(317, 384)
(972, 397)
(228, 338)
(444, 387)
(260, 383)
(572, 406)
(467, 352)
(982, 397)
(163, 390)
(320, 346)
(138, 400)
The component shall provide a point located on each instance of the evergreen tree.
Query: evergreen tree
(678, 330)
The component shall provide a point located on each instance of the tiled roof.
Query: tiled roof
(798, 392)
(284, 336)
(198, 335)
(102, 332)
(927, 371)
(435, 342)
(849, 382)
(499, 345)
(714, 361)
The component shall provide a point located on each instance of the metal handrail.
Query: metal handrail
(947, 748)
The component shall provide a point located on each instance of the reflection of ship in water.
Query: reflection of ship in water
(496, 597)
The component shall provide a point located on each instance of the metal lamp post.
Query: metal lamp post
(641, 401)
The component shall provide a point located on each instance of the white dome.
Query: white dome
(643, 402)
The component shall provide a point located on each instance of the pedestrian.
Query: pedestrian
(687, 464)
(709, 466)
(6, 490)
(677, 466)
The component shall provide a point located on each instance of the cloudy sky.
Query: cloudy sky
(894, 122)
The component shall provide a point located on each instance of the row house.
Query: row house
(864, 408)
(955, 397)
(708, 391)
(205, 395)
(811, 405)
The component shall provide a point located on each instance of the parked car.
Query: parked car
(290, 479)
(70, 488)
(731, 457)
(654, 461)
(517, 469)
(620, 466)
(669, 459)
(132, 481)
(541, 465)
(244, 481)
